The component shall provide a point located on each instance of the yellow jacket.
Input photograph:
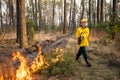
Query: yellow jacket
(83, 32)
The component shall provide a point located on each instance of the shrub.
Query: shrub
(103, 25)
(114, 28)
(60, 64)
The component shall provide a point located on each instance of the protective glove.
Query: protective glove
(80, 39)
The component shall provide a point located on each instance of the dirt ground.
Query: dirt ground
(100, 70)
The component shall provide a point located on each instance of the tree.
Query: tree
(21, 24)
(115, 8)
(33, 10)
(36, 14)
(90, 12)
(102, 17)
(64, 27)
(53, 12)
(83, 8)
(1, 18)
(98, 11)
(60, 11)
(40, 14)
(73, 17)
(94, 12)
(70, 14)
(18, 21)
(11, 13)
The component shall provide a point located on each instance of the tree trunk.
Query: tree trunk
(36, 14)
(18, 21)
(21, 23)
(9, 6)
(114, 10)
(102, 10)
(94, 12)
(98, 11)
(40, 14)
(83, 8)
(115, 7)
(64, 28)
(90, 12)
(70, 13)
(1, 21)
(73, 17)
(33, 11)
(53, 13)
(11, 13)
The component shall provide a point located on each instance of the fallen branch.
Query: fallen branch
(54, 44)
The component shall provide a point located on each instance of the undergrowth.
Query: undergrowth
(60, 63)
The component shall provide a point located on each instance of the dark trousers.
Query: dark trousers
(82, 50)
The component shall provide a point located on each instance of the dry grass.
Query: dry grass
(102, 57)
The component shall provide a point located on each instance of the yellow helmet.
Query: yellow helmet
(84, 20)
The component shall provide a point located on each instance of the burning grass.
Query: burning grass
(51, 64)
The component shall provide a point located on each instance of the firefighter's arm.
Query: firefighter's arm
(78, 32)
(86, 33)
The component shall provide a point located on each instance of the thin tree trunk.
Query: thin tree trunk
(1, 21)
(102, 9)
(9, 6)
(70, 14)
(98, 11)
(73, 17)
(90, 12)
(64, 28)
(36, 14)
(18, 21)
(83, 8)
(33, 10)
(94, 10)
(12, 13)
(53, 13)
(114, 10)
(40, 14)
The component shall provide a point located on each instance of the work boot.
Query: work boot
(88, 64)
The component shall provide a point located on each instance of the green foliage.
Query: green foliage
(53, 27)
(30, 30)
(45, 28)
(103, 25)
(112, 32)
(114, 28)
(64, 66)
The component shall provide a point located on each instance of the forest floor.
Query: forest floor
(97, 51)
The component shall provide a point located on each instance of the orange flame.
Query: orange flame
(39, 62)
(23, 72)
(59, 53)
(1, 78)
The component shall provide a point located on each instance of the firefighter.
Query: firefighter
(83, 33)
